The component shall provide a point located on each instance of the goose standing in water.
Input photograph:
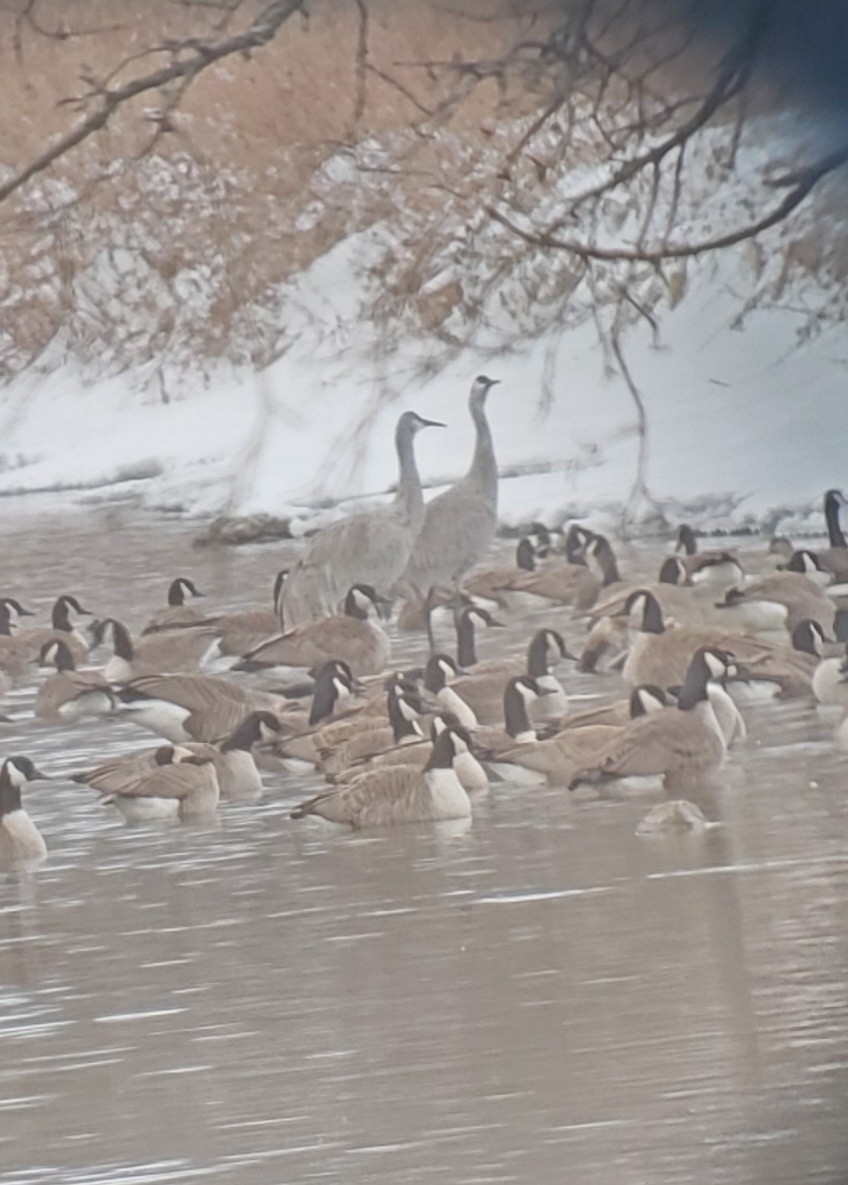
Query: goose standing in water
(69, 694)
(355, 636)
(238, 777)
(369, 548)
(21, 843)
(15, 657)
(62, 630)
(835, 557)
(177, 612)
(459, 524)
(387, 797)
(171, 782)
(684, 744)
(718, 568)
(166, 651)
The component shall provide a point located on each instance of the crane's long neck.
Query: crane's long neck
(409, 493)
(484, 467)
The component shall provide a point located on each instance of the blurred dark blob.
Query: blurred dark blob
(805, 44)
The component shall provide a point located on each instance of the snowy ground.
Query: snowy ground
(742, 412)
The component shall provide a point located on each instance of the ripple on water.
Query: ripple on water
(273, 1002)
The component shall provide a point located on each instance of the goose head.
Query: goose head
(178, 590)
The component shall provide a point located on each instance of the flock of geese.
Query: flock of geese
(308, 683)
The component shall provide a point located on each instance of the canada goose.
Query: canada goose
(678, 597)
(459, 524)
(792, 671)
(178, 612)
(440, 672)
(483, 692)
(353, 636)
(520, 694)
(562, 755)
(70, 694)
(644, 698)
(568, 579)
(238, 777)
(372, 547)
(15, 656)
(467, 622)
(387, 797)
(713, 566)
(242, 630)
(164, 783)
(167, 652)
(810, 564)
(403, 708)
(336, 700)
(835, 557)
(661, 655)
(62, 630)
(493, 583)
(21, 843)
(684, 744)
(828, 680)
(183, 708)
(468, 769)
(780, 600)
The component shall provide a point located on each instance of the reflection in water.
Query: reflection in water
(539, 996)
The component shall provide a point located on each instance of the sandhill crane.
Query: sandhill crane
(460, 523)
(368, 548)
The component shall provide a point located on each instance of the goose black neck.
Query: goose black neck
(59, 617)
(64, 659)
(694, 689)
(402, 727)
(324, 698)
(244, 737)
(176, 596)
(574, 543)
(804, 638)
(443, 752)
(516, 718)
(525, 556)
(686, 540)
(353, 609)
(831, 514)
(652, 618)
(670, 571)
(121, 640)
(5, 620)
(10, 795)
(434, 675)
(608, 565)
(537, 655)
(466, 641)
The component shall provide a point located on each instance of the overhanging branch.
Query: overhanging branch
(802, 180)
(200, 55)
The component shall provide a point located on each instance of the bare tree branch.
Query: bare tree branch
(803, 181)
(201, 55)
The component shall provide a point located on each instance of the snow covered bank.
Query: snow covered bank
(743, 412)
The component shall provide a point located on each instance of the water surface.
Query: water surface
(539, 997)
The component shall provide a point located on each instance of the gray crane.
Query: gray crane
(460, 523)
(368, 548)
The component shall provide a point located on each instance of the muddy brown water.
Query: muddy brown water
(539, 997)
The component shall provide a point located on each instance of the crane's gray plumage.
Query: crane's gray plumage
(460, 523)
(368, 548)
